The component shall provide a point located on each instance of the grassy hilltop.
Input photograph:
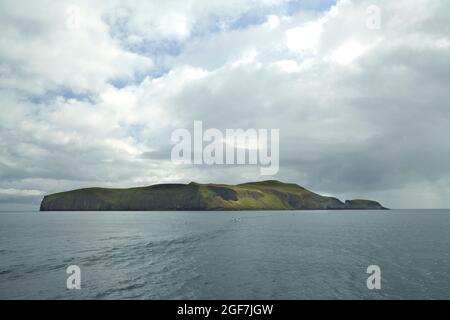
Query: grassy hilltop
(265, 195)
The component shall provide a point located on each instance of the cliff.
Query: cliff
(265, 195)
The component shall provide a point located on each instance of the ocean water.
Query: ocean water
(226, 255)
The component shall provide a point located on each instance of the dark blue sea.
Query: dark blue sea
(226, 255)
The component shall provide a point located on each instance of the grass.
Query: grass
(262, 195)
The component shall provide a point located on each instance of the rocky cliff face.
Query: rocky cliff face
(266, 195)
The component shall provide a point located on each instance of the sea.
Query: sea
(226, 255)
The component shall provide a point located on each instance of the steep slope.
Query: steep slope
(265, 195)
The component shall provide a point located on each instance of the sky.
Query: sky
(91, 92)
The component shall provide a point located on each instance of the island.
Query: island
(263, 195)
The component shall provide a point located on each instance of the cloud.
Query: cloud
(362, 112)
(40, 52)
(304, 38)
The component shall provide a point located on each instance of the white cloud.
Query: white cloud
(288, 65)
(40, 53)
(273, 21)
(375, 130)
(305, 37)
(18, 192)
(348, 52)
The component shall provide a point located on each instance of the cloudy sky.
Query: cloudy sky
(91, 92)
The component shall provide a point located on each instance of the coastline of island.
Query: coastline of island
(263, 195)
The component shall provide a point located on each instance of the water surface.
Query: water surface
(226, 255)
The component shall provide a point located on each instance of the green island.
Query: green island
(264, 195)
